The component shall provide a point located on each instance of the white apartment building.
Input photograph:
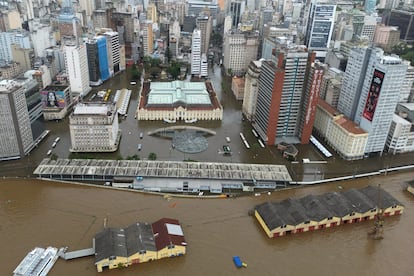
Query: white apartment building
(407, 84)
(114, 53)
(250, 89)
(94, 128)
(147, 37)
(41, 36)
(343, 135)
(76, 61)
(14, 37)
(16, 138)
(400, 136)
(196, 53)
(239, 49)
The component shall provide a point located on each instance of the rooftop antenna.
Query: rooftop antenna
(377, 231)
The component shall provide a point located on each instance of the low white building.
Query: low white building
(94, 128)
(343, 135)
(401, 134)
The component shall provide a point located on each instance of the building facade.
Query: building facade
(76, 61)
(250, 89)
(16, 138)
(94, 128)
(179, 100)
(56, 101)
(196, 53)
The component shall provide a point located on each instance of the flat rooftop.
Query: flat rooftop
(145, 168)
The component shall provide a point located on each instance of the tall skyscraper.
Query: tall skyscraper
(204, 24)
(69, 25)
(16, 138)
(281, 96)
(97, 60)
(76, 62)
(320, 25)
(379, 97)
(114, 58)
(250, 89)
(196, 53)
(236, 9)
(147, 38)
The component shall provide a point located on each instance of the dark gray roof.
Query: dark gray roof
(337, 203)
(269, 213)
(110, 242)
(311, 207)
(376, 193)
(359, 201)
(139, 237)
(315, 209)
(124, 242)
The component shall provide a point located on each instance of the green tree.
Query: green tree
(168, 54)
(154, 71)
(152, 156)
(53, 157)
(147, 60)
(135, 73)
(217, 40)
(174, 69)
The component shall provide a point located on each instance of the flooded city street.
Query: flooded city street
(43, 213)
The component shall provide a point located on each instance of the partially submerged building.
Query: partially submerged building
(138, 243)
(314, 212)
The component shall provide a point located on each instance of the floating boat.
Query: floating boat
(54, 144)
(169, 121)
(189, 121)
(49, 152)
(227, 150)
(228, 139)
(141, 135)
(255, 133)
(57, 139)
(238, 262)
(39, 262)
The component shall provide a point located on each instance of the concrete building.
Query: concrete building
(56, 101)
(343, 135)
(404, 20)
(41, 38)
(237, 87)
(320, 25)
(33, 99)
(15, 37)
(280, 95)
(179, 100)
(23, 56)
(69, 25)
(236, 9)
(331, 86)
(408, 84)
(94, 127)
(196, 53)
(16, 138)
(204, 24)
(386, 37)
(101, 19)
(147, 38)
(114, 53)
(239, 49)
(98, 64)
(204, 66)
(77, 68)
(369, 6)
(250, 89)
(10, 20)
(379, 97)
(10, 70)
(401, 134)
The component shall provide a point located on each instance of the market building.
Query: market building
(314, 212)
(179, 100)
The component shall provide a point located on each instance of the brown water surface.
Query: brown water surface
(42, 213)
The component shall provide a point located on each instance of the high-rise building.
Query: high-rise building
(404, 20)
(320, 25)
(94, 128)
(196, 53)
(204, 24)
(15, 37)
(359, 60)
(380, 94)
(70, 27)
(250, 89)
(16, 138)
(114, 58)
(77, 68)
(97, 60)
(386, 37)
(57, 100)
(407, 85)
(369, 6)
(147, 38)
(281, 94)
(236, 9)
(239, 49)
(203, 66)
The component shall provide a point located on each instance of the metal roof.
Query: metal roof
(146, 168)
(193, 93)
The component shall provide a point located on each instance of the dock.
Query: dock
(77, 254)
(38, 262)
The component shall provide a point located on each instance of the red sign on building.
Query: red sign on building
(373, 95)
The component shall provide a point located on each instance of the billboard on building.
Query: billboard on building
(53, 99)
(373, 95)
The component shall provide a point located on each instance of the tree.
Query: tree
(168, 54)
(174, 69)
(135, 73)
(217, 40)
(53, 157)
(152, 156)
(154, 71)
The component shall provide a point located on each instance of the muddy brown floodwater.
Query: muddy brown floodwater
(44, 213)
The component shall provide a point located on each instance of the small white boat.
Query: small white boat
(57, 139)
(228, 139)
(189, 121)
(169, 121)
(54, 144)
(49, 152)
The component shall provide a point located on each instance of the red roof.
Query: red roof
(161, 235)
